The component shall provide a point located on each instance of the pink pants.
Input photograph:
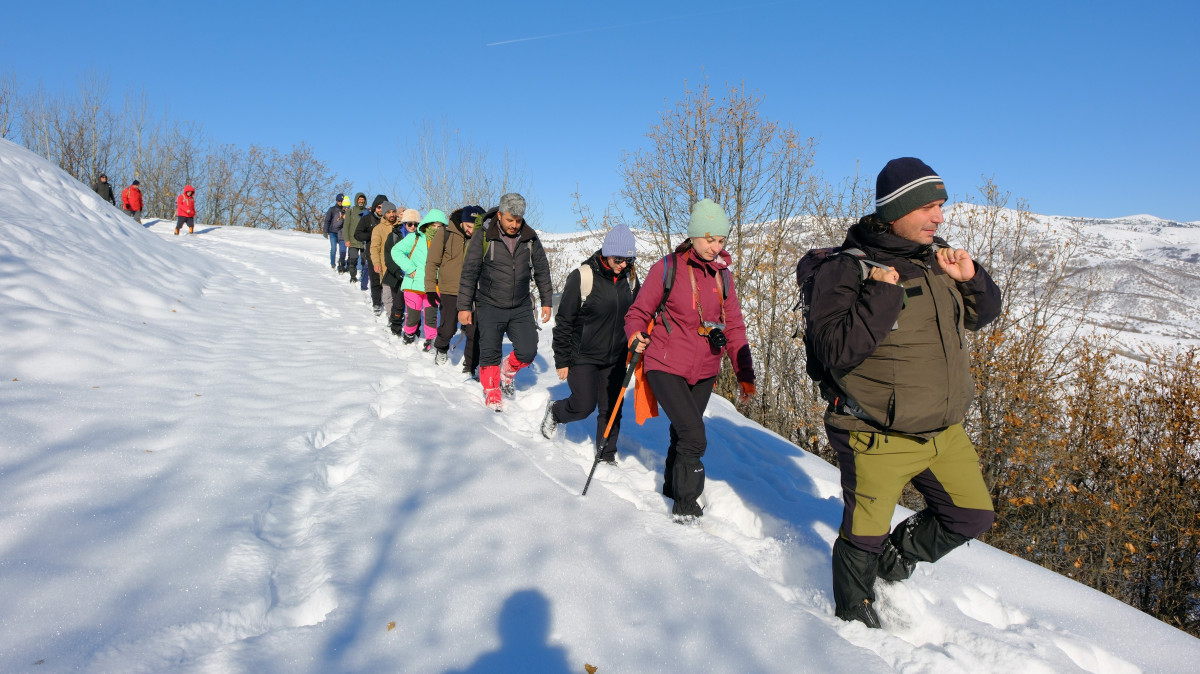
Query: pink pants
(419, 307)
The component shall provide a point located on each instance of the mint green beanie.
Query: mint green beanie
(708, 219)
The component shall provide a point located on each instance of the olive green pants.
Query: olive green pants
(876, 466)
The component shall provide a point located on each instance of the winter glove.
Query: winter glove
(433, 298)
(747, 391)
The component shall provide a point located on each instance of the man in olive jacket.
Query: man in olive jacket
(503, 256)
(891, 332)
(443, 269)
(354, 245)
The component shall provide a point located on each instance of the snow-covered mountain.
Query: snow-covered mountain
(214, 458)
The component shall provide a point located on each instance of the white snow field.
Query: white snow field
(214, 458)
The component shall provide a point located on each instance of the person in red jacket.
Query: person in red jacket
(185, 210)
(681, 354)
(131, 200)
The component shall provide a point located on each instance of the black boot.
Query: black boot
(863, 613)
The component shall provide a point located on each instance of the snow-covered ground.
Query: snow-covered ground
(214, 458)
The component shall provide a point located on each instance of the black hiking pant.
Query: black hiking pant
(593, 387)
(518, 323)
(376, 282)
(449, 325)
(684, 403)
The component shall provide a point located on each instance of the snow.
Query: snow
(214, 458)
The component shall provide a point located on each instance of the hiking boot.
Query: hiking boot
(467, 368)
(441, 357)
(894, 566)
(353, 278)
(177, 232)
(427, 346)
(688, 508)
(508, 372)
(607, 454)
(863, 613)
(549, 423)
(378, 309)
(191, 231)
(409, 339)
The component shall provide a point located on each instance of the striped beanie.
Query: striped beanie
(904, 185)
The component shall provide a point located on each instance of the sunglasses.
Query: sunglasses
(410, 225)
(623, 260)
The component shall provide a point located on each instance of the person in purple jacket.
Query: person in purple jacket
(700, 322)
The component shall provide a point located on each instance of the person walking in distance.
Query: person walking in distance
(185, 210)
(335, 219)
(354, 245)
(891, 337)
(504, 255)
(443, 269)
(131, 200)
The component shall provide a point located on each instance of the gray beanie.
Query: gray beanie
(708, 219)
(619, 242)
(513, 204)
(388, 206)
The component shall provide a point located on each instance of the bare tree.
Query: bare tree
(9, 87)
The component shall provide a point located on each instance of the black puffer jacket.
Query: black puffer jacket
(593, 333)
(898, 351)
(498, 277)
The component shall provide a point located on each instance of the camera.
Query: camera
(715, 332)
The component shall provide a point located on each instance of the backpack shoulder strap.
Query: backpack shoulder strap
(668, 282)
(586, 279)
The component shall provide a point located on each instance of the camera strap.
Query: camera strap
(696, 296)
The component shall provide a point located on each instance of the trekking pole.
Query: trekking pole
(602, 444)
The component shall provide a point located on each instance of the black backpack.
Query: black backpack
(806, 269)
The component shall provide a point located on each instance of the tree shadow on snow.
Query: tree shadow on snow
(524, 628)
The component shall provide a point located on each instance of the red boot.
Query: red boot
(489, 376)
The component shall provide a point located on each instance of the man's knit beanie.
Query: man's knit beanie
(708, 219)
(619, 242)
(388, 206)
(903, 186)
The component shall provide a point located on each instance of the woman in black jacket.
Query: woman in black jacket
(589, 338)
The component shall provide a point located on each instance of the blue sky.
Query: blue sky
(1081, 108)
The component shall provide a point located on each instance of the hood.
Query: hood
(354, 204)
(188, 190)
(379, 199)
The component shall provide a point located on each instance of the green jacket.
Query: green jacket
(898, 353)
(353, 215)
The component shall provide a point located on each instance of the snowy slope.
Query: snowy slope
(213, 458)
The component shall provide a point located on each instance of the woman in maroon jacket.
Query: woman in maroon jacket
(701, 321)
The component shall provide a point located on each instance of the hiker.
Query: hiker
(366, 234)
(411, 254)
(105, 190)
(354, 245)
(131, 200)
(393, 275)
(899, 385)
(503, 256)
(589, 339)
(443, 270)
(335, 219)
(682, 340)
(185, 210)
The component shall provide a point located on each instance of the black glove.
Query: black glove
(433, 299)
